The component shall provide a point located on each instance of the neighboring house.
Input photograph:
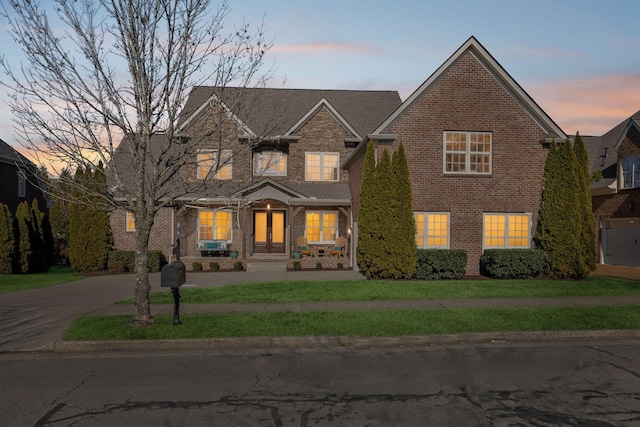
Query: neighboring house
(615, 189)
(279, 175)
(476, 145)
(19, 179)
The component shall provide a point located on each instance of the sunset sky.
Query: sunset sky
(578, 59)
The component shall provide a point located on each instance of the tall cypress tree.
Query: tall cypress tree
(586, 209)
(26, 236)
(573, 223)
(7, 240)
(368, 238)
(386, 219)
(405, 226)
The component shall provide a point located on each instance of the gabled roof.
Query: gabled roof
(603, 153)
(272, 112)
(473, 46)
(9, 155)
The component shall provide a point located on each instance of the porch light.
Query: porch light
(268, 206)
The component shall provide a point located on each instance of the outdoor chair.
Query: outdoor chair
(303, 247)
(338, 250)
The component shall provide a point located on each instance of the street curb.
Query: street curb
(356, 343)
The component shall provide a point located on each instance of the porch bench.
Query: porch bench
(213, 247)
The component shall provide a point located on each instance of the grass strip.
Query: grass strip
(20, 282)
(372, 323)
(380, 290)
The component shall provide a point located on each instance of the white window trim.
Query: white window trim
(635, 183)
(229, 240)
(322, 154)
(265, 172)
(22, 184)
(506, 225)
(126, 222)
(214, 175)
(322, 240)
(426, 236)
(467, 170)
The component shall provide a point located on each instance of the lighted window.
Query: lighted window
(22, 184)
(273, 163)
(467, 152)
(214, 225)
(631, 172)
(507, 231)
(210, 167)
(322, 166)
(321, 226)
(432, 230)
(130, 222)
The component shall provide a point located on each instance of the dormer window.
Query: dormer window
(270, 163)
(631, 172)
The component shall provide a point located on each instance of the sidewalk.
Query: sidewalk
(36, 320)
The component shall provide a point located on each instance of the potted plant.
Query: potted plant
(297, 254)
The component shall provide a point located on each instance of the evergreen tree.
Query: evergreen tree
(386, 219)
(43, 241)
(26, 236)
(586, 208)
(572, 220)
(90, 238)
(368, 235)
(7, 240)
(405, 226)
(59, 217)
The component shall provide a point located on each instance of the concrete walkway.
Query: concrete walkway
(36, 320)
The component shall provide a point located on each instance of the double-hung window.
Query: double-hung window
(209, 166)
(271, 163)
(214, 225)
(631, 172)
(467, 153)
(22, 184)
(130, 222)
(507, 230)
(321, 226)
(432, 230)
(322, 166)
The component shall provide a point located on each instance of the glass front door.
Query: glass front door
(269, 232)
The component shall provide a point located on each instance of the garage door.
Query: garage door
(621, 241)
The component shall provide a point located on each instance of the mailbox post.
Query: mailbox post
(173, 275)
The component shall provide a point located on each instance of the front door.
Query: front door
(269, 232)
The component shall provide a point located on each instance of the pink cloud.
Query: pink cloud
(326, 47)
(590, 105)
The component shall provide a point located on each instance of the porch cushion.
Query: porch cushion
(303, 248)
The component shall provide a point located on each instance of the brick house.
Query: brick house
(615, 164)
(476, 145)
(292, 165)
(18, 179)
(278, 177)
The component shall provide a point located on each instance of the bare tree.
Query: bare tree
(100, 71)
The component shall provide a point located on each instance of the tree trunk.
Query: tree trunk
(141, 290)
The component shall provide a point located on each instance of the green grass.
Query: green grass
(360, 323)
(20, 282)
(372, 290)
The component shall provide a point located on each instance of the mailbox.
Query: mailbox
(173, 275)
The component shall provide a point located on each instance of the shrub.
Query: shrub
(238, 265)
(319, 265)
(340, 266)
(124, 261)
(512, 263)
(7, 240)
(436, 264)
(214, 266)
(296, 265)
(197, 266)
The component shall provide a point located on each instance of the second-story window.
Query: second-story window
(130, 222)
(22, 184)
(467, 153)
(272, 163)
(631, 172)
(209, 167)
(322, 166)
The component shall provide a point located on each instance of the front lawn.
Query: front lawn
(20, 282)
(379, 290)
(372, 323)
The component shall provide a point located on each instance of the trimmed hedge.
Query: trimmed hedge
(512, 263)
(124, 261)
(437, 264)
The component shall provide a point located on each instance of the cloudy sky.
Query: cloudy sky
(578, 59)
